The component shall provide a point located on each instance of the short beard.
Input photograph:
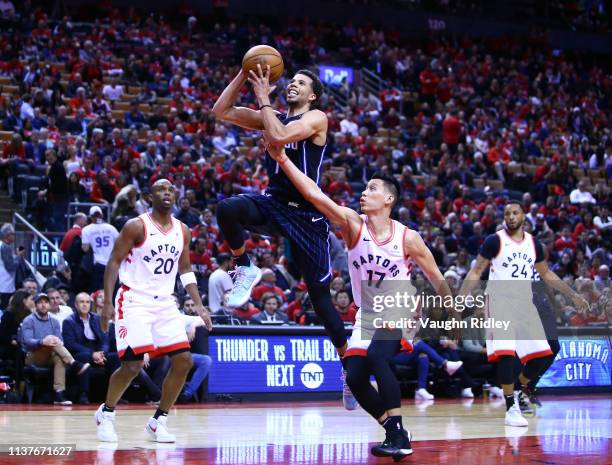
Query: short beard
(518, 228)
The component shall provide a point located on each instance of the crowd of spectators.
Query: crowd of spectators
(98, 111)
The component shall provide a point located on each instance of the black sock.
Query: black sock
(242, 260)
(106, 408)
(393, 424)
(160, 413)
(509, 401)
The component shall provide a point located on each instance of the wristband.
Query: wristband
(264, 106)
(188, 278)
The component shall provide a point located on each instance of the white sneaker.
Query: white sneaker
(496, 393)
(423, 394)
(157, 431)
(452, 367)
(245, 279)
(348, 399)
(514, 416)
(105, 422)
(467, 393)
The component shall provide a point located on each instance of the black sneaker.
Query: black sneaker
(83, 399)
(404, 445)
(534, 400)
(524, 405)
(78, 368)
(530, 395)
(386, 449)
(396, 445)
(60, 398)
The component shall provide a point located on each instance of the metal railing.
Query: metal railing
(340, 98)
(37, 242)
(371, 81)
(76, 207)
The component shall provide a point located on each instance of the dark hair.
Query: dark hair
(342, 291)
(317, 86)
(515, 202)
(222, 258)
(17, 307)
(391, 185)
(271, 295)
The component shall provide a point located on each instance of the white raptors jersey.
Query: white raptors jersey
(373, 261)
(150, 268)
(515, 260)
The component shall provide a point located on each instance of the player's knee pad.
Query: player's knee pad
(533, 368)
(505, 369)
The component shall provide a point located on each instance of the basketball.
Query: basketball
(264, 55)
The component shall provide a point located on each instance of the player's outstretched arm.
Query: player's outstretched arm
(551, 278)
(131, 234)
(225, 110)
(189, 280)
(416, 248)
(348, 220)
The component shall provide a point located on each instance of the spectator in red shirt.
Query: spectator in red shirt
(107, 164)
(429, 83)
(201, 263)
(15, 149)
(390, 97)
(256, 245)
(586, 225)
(295, 306)
(346, 309)
(78, 101)
(80, 221)
(340, 186)
(268, 284)
(451, 131)
(104, 190)
(498, 157)
(565, 241)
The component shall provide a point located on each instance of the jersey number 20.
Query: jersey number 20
(164, 265)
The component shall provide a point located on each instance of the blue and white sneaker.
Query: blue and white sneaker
(245, 279)
(348, 399)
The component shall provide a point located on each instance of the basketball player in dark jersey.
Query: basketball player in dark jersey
(282, 209)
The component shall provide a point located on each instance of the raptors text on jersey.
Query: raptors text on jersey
(151, 267)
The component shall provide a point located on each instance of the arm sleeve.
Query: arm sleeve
(490, 247)
(8, 258)
(539, 250)
(27, 335)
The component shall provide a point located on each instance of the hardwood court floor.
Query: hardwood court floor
(567, 430)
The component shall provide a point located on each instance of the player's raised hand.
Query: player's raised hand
(205, 315)
(260, 81)
(108, 312)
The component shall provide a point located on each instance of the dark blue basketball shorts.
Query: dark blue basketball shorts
(306, 230)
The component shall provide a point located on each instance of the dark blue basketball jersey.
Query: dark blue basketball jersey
(308, 157)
